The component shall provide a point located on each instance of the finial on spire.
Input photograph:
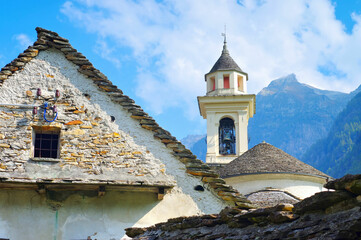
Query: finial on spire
(225, 34)
(225, 50)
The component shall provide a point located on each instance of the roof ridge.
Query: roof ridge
(195, 167)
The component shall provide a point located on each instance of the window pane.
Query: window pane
(37, 142)
(45, 153)
(54, 144)
(54, 154)
(45, 144)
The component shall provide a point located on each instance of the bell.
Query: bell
(227, 137)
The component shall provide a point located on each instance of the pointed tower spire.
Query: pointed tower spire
(225, 50)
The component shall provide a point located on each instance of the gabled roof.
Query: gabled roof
(266, 158)
(47, 40)
(225, 62)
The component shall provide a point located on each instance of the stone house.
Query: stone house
(80, 160)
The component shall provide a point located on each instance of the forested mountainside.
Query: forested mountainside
(340, 152)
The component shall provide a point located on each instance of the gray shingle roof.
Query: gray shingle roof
(225, 62)
(266, 158)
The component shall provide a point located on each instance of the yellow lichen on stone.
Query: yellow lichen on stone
(4, 145)
(2, 136)
(94, 123)
(86, 127)
(136, 153)
(75, 132)
(116, 134)
(78, 111)
(49, 76)
(74, 122)
(29, 93)
(2, 166)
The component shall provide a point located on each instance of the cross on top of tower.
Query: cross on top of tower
(225, 34)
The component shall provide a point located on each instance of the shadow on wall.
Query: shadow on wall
(27, 213)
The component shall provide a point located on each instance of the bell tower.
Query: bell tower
(227, 108)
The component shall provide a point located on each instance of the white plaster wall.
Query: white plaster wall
(29, 215)
(301, 186)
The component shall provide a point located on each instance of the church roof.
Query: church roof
(270, 198)
(266, 158)
(225, 62)
(192, 166)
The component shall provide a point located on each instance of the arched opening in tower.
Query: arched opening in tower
(227, 137)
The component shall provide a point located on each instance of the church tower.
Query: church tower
(227, 108)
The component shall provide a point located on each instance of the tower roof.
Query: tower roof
(225, 62)
(266, 158)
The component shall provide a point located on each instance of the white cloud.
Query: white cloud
(176, 42)
(102, 48)
(23, 40)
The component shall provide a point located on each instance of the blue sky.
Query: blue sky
(157, 52)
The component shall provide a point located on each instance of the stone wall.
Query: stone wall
(91, 146)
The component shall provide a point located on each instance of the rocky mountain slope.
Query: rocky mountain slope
(292, 115)
(340, 152)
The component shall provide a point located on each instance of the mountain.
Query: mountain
(190, 140)
(340, 152)
(292, 115)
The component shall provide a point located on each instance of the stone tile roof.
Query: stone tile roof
(325, 215)
(193, 166)
(225, 62)
(266, 158)
(271, 198)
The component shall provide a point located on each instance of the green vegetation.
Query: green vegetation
(340, 152)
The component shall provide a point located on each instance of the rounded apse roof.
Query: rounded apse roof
(266, 158)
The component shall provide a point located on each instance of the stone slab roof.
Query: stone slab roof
(194, 167)
(271, 198)
(325, 215)
(266, 158)
(225, 62)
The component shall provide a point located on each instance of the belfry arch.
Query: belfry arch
(227, 136)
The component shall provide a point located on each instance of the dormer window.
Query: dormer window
(225, 81)
(46, 142)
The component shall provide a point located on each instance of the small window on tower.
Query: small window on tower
(225, 81)
(46, 142)
(213, 84)
(240, 83)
